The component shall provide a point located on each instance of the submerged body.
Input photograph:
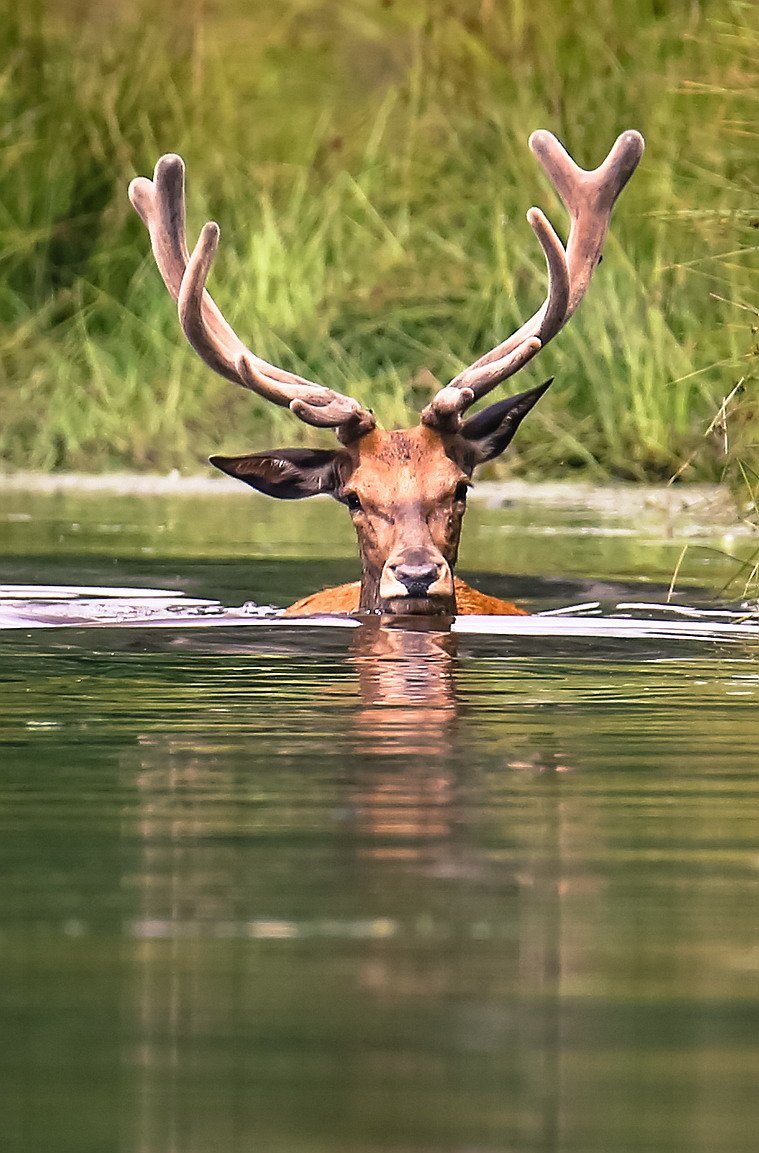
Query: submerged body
(346, 599)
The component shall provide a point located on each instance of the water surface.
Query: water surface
(285, 888)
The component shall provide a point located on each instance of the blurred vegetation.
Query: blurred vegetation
(368, 163)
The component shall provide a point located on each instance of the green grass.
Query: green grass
(368, 164)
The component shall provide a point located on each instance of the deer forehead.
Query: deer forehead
(403, 463)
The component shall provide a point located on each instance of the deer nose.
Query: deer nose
(416, 578)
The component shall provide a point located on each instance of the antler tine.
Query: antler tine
(224, 352)
(161, 205)
(589, 197)
(486, 373)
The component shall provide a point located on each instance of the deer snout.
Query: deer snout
(416, 577)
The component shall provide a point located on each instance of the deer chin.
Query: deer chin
(408, 606)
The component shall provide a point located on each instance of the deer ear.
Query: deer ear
(287, 473)
(490, 431)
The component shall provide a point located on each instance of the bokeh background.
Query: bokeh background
(368, 163)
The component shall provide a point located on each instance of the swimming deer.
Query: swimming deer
(405, 489)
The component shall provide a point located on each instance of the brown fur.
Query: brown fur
(406, 482)
(344, 599)
(406, 491)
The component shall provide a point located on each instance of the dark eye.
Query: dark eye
(352, 501)
(460, 494)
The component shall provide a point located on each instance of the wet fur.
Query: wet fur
(344, 600)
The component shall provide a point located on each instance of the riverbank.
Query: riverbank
(687, 510)
(369, 168)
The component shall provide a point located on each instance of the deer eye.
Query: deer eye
(461, 492)
(353, 502)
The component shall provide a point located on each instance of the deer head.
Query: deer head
(405, 489)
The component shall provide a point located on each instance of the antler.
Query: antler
(589, 198)
(161, 204)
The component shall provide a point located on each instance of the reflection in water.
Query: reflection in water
(404, 788)
(417, 809)
(435, 986)
(337, 891)
(297, 890)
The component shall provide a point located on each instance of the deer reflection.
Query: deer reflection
(240, 891)
(406, 686)
(403, 782)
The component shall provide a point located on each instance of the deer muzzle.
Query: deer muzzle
(417, 582)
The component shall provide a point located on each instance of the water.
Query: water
(285, 888)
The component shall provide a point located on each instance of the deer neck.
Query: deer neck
(369, 598)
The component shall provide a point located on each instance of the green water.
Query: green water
(289, 889)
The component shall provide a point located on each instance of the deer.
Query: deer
(405, 489)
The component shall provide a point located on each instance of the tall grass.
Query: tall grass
(368, 164)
